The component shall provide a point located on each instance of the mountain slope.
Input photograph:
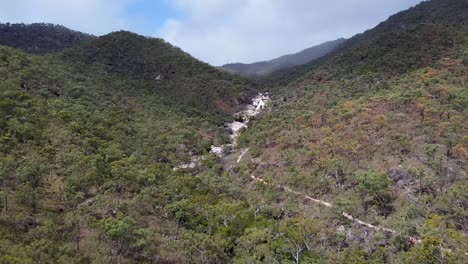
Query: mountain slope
(89, 137)
(409, 40)
(406, 41)
(40, 38)
(284, 62)
(165, 70)
(378, 129)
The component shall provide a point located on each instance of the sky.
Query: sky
(215, 31)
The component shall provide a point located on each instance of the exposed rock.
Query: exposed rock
(234, 129)
(181, 148)
(341, 230)
(217, 150)
(400, 177)
(194, 162)
(349, 235)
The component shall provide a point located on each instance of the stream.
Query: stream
(227, 153)
(234, 129)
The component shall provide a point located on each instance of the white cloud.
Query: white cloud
(202, 10)
(216, 31)
(221, 31)
(91, 16)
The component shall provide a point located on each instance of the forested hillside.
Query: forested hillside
(165, 70)
(361, 157)
(378, 128)
(407, 41)
(89, 137)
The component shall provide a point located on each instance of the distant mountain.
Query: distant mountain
(40, 38)
(418, 37)
(284, 62)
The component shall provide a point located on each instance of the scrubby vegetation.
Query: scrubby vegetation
(379, 129)
(89, 142)
(89, 136)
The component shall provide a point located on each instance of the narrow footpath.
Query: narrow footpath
(346, 215)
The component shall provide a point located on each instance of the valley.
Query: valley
(124, 148)
(233, 130)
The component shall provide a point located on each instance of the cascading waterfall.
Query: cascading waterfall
(241, 121)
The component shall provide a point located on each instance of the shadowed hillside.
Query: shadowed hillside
(40, 38)
(165, 70)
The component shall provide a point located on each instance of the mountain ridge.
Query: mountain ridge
(359, 157)
(375, 114)
(264, 68)
(40, 38)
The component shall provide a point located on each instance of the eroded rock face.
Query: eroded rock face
(243, 117)
(217, 150)
(400, 177)
(235, 128)
(194, 162)
(241, 122)
(258, 104)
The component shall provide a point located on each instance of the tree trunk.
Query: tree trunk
(296, 257)
(34, 205)
(364, 204)
(77, 226)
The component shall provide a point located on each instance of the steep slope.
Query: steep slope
(284, 62)
(409, 40)
(406, 41)
(165, 70)
(377, 128)
(40, 38)
(88, 140)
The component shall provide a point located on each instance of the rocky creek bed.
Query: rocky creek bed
(234, 129)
